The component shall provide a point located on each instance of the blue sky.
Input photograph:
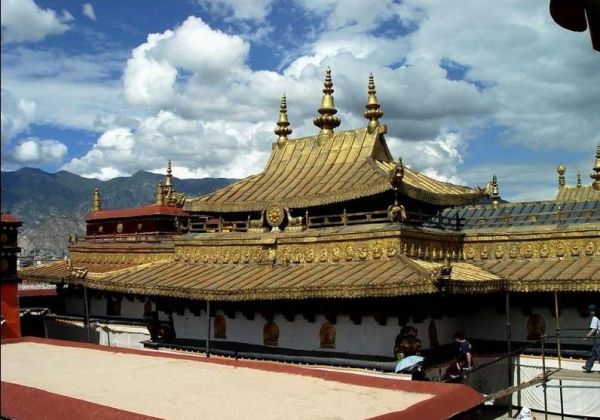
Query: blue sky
(106, 88)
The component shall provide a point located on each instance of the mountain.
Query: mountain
(52, 205)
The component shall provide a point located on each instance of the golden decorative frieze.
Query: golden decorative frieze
(537, 248)
(133, 258)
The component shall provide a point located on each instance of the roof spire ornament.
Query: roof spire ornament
(160, 194)
(327, 120)
(373, 112)
(596, 174)
(561, 169)
(495, 192)
(97, 200)
(283, 129)
(578, 179)
(169, 180)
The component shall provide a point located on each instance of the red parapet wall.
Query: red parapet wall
(11, 327)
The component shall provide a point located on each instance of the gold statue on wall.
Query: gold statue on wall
(271, 334)
(220, 326)
(327, 335)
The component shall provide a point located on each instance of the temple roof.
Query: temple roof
(314, 171)
(151, 210)
(400, 276)
(526, 215)
(577, 193)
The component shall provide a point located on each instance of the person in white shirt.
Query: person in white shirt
(594, 334)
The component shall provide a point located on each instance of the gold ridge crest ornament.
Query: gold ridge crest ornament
(275, 215)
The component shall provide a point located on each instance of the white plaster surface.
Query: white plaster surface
(186, 389)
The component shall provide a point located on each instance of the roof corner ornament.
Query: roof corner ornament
(327, 120)
(561, 169)
(373, 112)
(97, 200)
(282, 129)
(596, 174)
(396, 212)
(160, 194)
(397, 173)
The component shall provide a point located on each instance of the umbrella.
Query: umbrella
(408, 362)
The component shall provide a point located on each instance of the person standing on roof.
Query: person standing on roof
(594, 334)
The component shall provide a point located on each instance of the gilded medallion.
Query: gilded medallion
(275, 215)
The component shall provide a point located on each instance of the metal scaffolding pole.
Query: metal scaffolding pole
(208, 328)
(508, 351)
(562, 410)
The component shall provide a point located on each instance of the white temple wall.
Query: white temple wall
(134, 309)
(368, 338)
(490, 325)
(97, 306)
(190, 326)
(74, 305)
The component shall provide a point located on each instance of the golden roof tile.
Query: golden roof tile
(577, 193)
(236, 282)
(304, 173)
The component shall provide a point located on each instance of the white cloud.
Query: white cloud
(195, 98)
(16, 114)
(23, 20)
(439, 158)
(197, 149)
(256, 10)
(88, 11)
(75, 91)
(35, 151)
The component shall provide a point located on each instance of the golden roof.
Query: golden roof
(577, 193)
(306, 172)
(581, 274)
(230, 282)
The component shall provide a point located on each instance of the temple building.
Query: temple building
(334, 249)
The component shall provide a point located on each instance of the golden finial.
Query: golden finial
(596, 174)
(373, 112)
(160, 194)
(578, 179)
(283, 129)
(327, 120)
(495, 192)
(561, 169)
(169, 179)
(97, 200)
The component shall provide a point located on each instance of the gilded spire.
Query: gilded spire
(160, 195)
(373, 112)
(578, 179)
(283, 129)
(495, 192)
(561, 169)
(596, 174)
(169, 179)
(327, 120)
(97, 200)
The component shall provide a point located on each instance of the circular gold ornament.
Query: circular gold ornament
(275, 215)
(3, 238)
(100, 229)
(119, 227)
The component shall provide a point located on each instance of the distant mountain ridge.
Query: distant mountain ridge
(52, 205)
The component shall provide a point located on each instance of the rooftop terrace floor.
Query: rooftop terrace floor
(57, 379)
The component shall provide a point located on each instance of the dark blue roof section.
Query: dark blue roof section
(535, 213)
